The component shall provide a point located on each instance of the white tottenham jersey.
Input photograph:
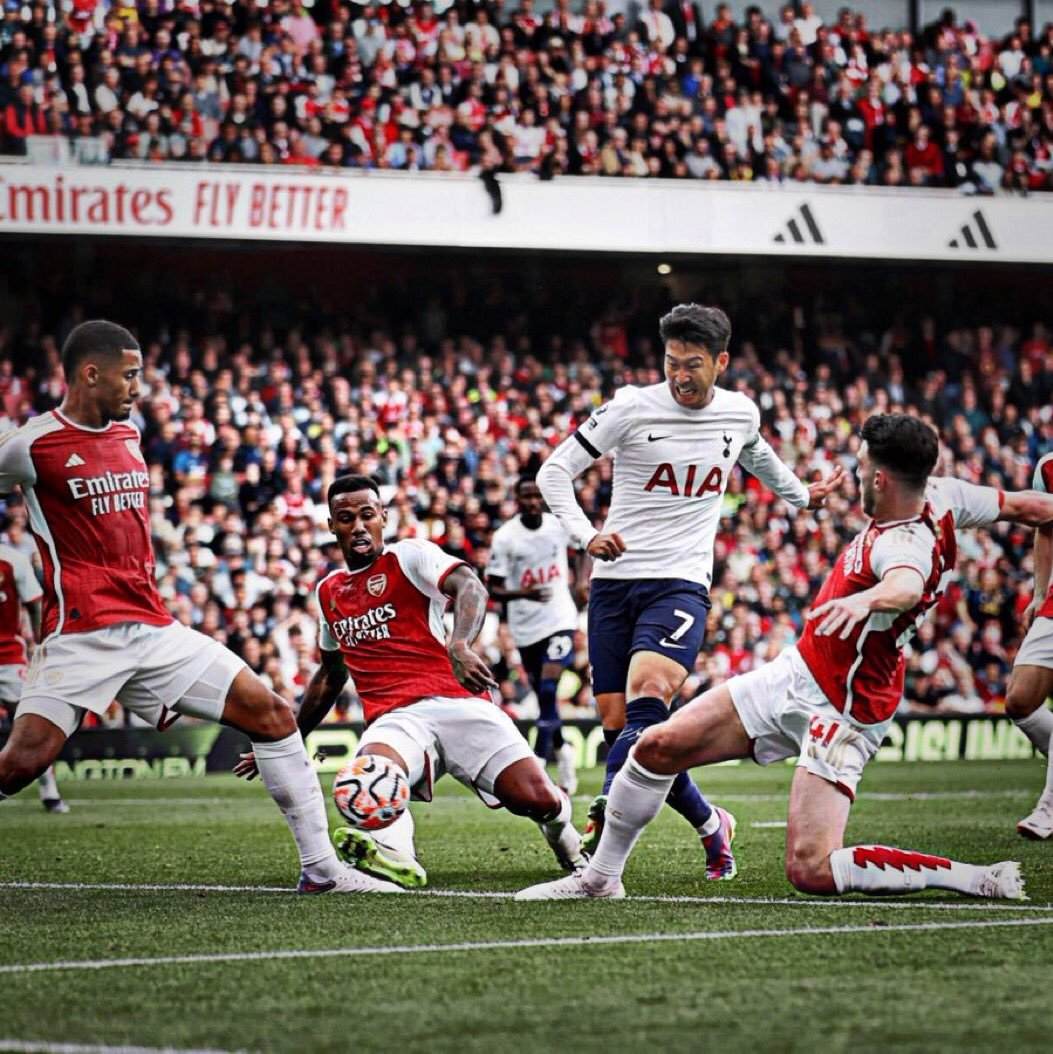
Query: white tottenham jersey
(671, 468)
(525, 558)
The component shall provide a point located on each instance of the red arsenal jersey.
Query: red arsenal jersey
(863, 675)
(86, 494)
(1044, 482)
(18, 586)
(387, 622)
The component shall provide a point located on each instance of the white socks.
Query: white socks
(635, 799)
(1038, 727)
(398, 838)
(48, 787)
(883, 869)
(286, 770)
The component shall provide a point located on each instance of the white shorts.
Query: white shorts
(156, 672)
(1037, 647)
(786, 714)
(471, 739)
(11, 680)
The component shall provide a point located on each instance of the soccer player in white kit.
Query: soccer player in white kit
(19, 588)
(528, 571)
(106, 631)
(675, 445)
(1031, 682)
(829, 700)
(426, 703)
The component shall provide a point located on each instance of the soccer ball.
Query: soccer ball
(371, 793)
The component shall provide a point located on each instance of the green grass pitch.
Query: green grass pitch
(930, 972)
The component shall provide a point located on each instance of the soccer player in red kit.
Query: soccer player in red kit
(427, 704)
(19, 588)
(829, 700)
(106, 632)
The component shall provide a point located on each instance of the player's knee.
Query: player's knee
(272, 719)
(652, 685)
(1018, 701)
(808, 871)
(657, 750)
(534, 796)
(18, 771)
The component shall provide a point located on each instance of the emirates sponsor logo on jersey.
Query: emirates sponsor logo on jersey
(373, 625)
(377, 584)
(112, 491)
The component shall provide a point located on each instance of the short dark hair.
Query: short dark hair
(349, 484)
(903, 445)
(97, 339)
(708, 327)
(522, 482)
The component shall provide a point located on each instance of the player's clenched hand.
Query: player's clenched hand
(819, 492)
(606, 546)
(841, 614)
(470, 670)
(247, 768)
(1029, 613)
(538, 593)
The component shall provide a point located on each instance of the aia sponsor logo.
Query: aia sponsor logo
(696, 482)
(376, 585)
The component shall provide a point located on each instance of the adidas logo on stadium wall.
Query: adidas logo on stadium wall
(810, 235)
(75, 461)
(973, 233)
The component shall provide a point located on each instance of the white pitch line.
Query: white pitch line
(479, 946)
(29, 1046)
(768, 823)
(492, 894)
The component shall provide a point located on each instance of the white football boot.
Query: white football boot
(1039, 825)
(572, 887)
(1002, 881)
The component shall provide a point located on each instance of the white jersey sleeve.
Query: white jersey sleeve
(16, 466)
(499, 565)
(326, 640)
(426, 565)
(758, 458)
(971, 505)
(1043, 478)
(600, 434)
(908, 546)
(25, 580)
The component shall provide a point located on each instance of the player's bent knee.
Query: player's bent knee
(532, 795)
(657, 750)
(809, 872)
(271, 719)
(18, 771)
(1019, 702)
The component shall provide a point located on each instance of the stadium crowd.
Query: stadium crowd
(667, 91)
(246, 417)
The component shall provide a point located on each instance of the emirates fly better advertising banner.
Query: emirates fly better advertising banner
(570, 213)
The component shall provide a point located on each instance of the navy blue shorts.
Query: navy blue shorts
(665, 615)
(559, 647)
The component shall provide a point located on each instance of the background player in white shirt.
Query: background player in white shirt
(829, 700)
(19, 587)
(1031, 682)
(675, 445)
(528, 572)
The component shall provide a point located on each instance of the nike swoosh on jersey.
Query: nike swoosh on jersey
(665, 642)
(655, 439)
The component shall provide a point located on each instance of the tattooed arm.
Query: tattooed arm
(469, 609)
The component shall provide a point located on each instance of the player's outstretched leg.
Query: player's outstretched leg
(50, 796)
(1029, 687)
(817, 863)
(706, 731)
(524, 789)
(282, 760)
